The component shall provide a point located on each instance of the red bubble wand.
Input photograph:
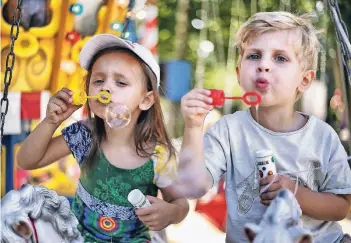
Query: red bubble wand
(218, 98)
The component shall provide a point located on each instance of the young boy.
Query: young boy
(278, 59)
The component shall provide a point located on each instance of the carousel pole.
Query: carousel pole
(344, 48)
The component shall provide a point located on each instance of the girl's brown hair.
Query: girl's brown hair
(150, 124)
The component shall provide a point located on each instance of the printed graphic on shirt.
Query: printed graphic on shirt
(248, 188)
(247, 191)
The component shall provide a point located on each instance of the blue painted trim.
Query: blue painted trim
(9, 141)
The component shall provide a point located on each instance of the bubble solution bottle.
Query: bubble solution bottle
(138, 199)
(265, 163)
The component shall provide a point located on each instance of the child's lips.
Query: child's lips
(262, 83)
(104, 97)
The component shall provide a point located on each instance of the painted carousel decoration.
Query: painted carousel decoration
(52, 33)
(281, 222)
(36, 214)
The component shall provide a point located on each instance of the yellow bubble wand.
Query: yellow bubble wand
(80, 97)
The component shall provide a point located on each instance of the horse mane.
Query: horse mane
(37, 202)
(280, 223)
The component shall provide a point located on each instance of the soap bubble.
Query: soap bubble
(117, 115)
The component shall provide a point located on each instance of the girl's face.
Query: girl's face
(121, 74)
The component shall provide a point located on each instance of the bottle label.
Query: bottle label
(143, 204)
(266, 166)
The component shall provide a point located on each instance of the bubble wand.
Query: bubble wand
(116, 115)
(218, 98)
(80, 97)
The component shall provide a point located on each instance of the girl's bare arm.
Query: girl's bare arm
(40, 149)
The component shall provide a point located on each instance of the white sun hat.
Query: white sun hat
(103, 41)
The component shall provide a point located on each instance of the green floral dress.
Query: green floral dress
(100, 203)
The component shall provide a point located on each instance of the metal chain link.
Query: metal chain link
(10, 62)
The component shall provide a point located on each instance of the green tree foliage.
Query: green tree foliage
(242, 10)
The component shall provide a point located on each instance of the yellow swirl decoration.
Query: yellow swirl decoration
(26, 45)
(77, 48)
(101, 19)
(39, 67)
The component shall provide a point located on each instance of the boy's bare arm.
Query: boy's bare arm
(194, 177)
(318, 205)
(192, 169)
(40, 149)
(323, 205)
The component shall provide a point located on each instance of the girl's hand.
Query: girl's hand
(281, 182)
(157, 216)
(195, 105)
(59, 107)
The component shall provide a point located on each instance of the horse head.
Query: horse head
(36, 214)
(281, 222)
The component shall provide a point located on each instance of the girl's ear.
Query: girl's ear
(148, 101)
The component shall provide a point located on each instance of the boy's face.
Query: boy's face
(269, 66)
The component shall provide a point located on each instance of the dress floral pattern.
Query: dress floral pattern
(100, 203)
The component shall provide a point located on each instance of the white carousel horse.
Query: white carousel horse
(35, 214)
(281, 222)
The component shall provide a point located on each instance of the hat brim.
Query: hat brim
(98, 43)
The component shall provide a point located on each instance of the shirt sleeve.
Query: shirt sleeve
(79, 139)
(217, 149)
(338, 177)
(165, 168)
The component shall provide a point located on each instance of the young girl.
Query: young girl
(113, 161)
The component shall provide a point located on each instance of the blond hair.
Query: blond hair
(307, 41)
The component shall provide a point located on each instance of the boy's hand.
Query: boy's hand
(195, 105)
(59, 107)
(157, 216)
(281, 182)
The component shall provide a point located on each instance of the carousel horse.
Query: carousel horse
(35, 214)
(281, 222)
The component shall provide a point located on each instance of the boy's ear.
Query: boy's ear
(148, 101)
(306, 81)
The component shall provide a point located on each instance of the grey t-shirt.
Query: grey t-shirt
(230, 147)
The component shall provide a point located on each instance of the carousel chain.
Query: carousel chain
(10, 62)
